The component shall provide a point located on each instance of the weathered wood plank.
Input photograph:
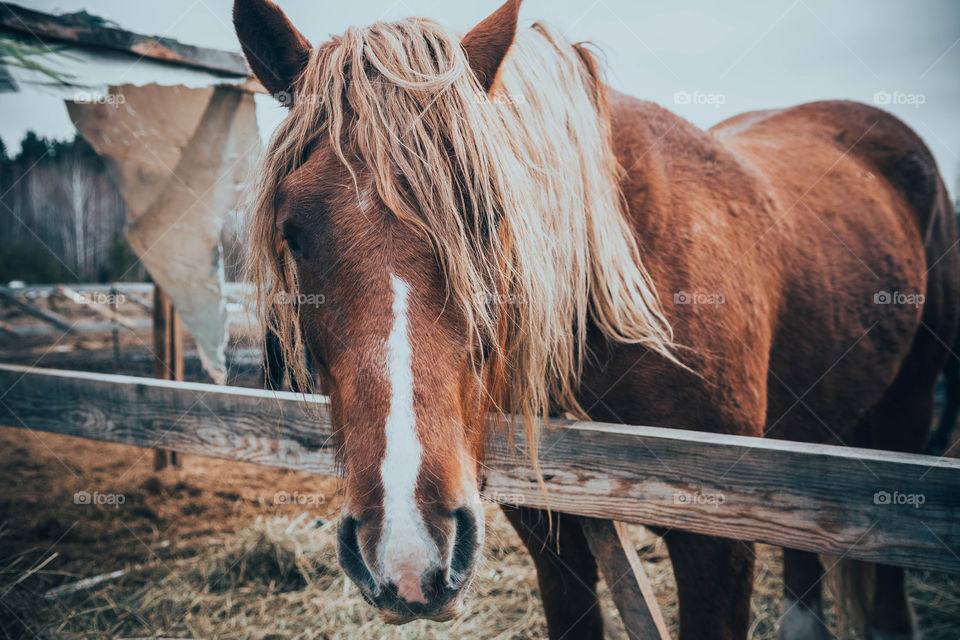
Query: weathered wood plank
(80, 328)
(901, 509)
(146, 305)
(250, 425)
(234, 290)
(836, 500)
(52, 318)
(101, 309)
(626, 578)
(84, 29)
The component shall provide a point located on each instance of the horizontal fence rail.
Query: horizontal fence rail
(900, 509)
(137, 293)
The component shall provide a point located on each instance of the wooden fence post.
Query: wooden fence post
(115, 332)
(167, 357)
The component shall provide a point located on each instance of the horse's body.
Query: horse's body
(785, 230)
(805, 259)
(784, 235)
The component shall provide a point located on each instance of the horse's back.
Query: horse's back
(875, 137)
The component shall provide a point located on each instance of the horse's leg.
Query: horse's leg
(802, 617)
(567, 577)
(901, 422)
(892, 617)
(714, 582)
(940, 440)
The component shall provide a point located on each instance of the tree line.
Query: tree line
(62, 217)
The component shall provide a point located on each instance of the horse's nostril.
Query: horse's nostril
(351, 559)
(435, 584)
(464, 546)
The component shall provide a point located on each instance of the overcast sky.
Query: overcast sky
(726, 57)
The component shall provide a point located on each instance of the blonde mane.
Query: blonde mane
(532, 161)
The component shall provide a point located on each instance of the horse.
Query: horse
(495, 230)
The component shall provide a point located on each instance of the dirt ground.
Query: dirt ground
(232, 550)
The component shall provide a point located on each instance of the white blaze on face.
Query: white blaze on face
(406, 549)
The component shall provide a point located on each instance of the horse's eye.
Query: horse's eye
(291, 238)
(294, 245)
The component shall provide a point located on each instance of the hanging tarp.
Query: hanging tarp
(181, 158)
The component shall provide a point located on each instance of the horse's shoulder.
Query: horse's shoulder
(628, 112)
(645, 129)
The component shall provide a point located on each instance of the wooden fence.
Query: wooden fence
(900, 509)
(140, 294)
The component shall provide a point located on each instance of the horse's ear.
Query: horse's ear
(276, 52)
(487, 43)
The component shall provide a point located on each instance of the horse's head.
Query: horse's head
(441, 252)
(343, 233)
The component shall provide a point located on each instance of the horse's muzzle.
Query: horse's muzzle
(438, 589)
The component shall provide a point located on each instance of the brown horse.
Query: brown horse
(490, 225)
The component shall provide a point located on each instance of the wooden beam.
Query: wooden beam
(133, 297)
(8, 329)
(167, 338)
(900, 509)
(51, 318)
(235, 290)
(115, 334)
(22, 331)
(167, 358)
(626, 578)
(102, 309)
(90, 31)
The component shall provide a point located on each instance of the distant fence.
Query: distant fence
(95, 297)
(899, 509)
